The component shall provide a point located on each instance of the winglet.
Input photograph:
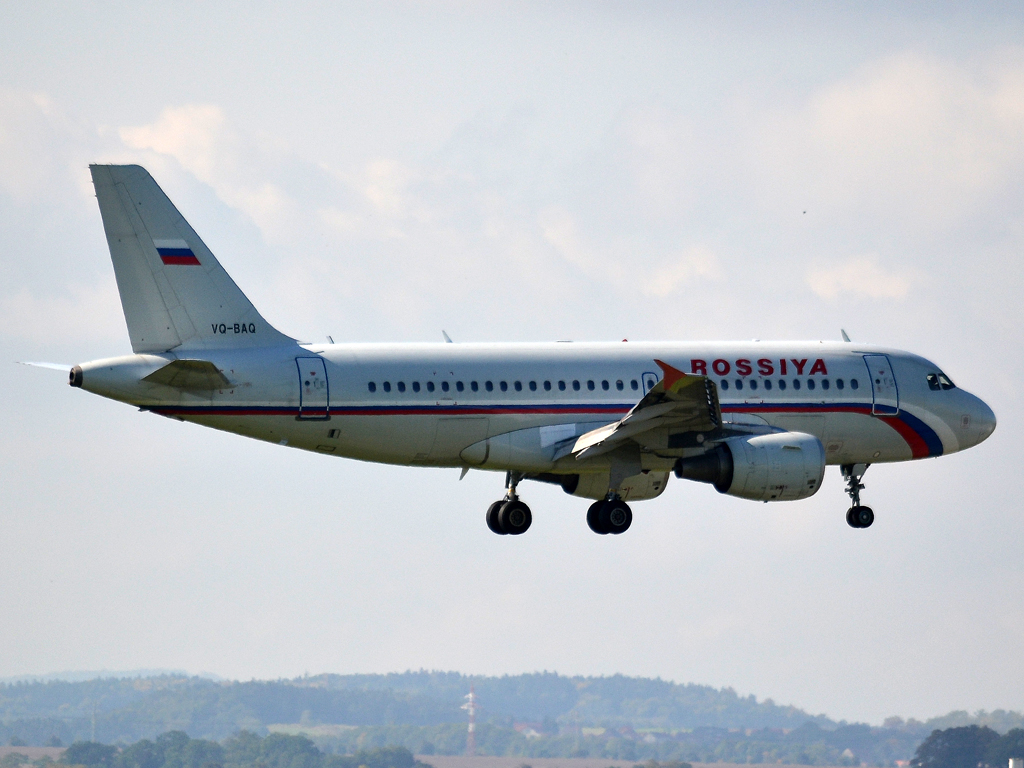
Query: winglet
(447, 338)
(671, 375)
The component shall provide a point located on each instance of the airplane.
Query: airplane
(608, 422)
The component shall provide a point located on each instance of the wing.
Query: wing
(680, 400)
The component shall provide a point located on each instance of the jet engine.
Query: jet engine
(782, 466)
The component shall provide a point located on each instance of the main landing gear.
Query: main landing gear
(509, 516)
(858, 516)
(611, 515)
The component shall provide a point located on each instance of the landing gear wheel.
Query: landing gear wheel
(514, 517)
(492, 517)
(860, 517)
(615, 516)
(594, 517)
(857, 516)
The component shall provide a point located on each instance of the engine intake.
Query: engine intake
(783, 466)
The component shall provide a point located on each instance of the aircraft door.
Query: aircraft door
(314, 392)
(885, 397)
(649, 380)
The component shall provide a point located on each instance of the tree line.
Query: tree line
(969, 747)
(176, 749)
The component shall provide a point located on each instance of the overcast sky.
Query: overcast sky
(524, 171)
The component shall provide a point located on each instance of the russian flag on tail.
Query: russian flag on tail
(175, 252)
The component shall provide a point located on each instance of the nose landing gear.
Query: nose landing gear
(858, 516)
(509, 516)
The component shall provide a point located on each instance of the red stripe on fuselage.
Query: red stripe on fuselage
(918, 447)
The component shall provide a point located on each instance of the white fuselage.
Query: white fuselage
(429, 404)
(605, 421)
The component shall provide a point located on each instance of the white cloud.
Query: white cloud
(39, 144)
(624, 263)
(696, 262)
(912, 139)
(860, 277)
(196, 135)
(85, 313)
(204, 142)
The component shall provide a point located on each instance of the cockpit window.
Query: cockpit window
(939, 381)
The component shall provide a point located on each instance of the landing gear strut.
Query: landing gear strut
(509, 515)
(611, 515)
(858, 516)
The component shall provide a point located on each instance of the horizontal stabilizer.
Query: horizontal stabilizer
(52, 366)
(189, 374)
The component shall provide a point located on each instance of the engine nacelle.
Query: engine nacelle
(783, 466)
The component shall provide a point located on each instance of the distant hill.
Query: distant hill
(81, 675)
(134, 708)
(616, 715)
(615, 700)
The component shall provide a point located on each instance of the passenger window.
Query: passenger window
(634, 385)
(445, 386)
(561, 386)
(430, 386)
(796, 383)
(576, 385)
(547, 386)
(590, 385)
(782, 383)
(753, 383)
(767, 383)
(519, 386)
(854, 384)
(387, 386)
(401, 386)
(824, 383)
(489, 386)
(533, 386)
(415, 386)
(739, 383)
(619, 385)
(372, 387)
(604, 385)
(460, 386)
(725, 384)
(840, 384)
(474, 386)
(504, 386)
(810, 383)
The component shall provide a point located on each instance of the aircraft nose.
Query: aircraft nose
(979, 422)
(986, 420)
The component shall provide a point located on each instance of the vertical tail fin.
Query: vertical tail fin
(173, 291)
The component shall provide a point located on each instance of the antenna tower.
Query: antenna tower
(471, 707)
